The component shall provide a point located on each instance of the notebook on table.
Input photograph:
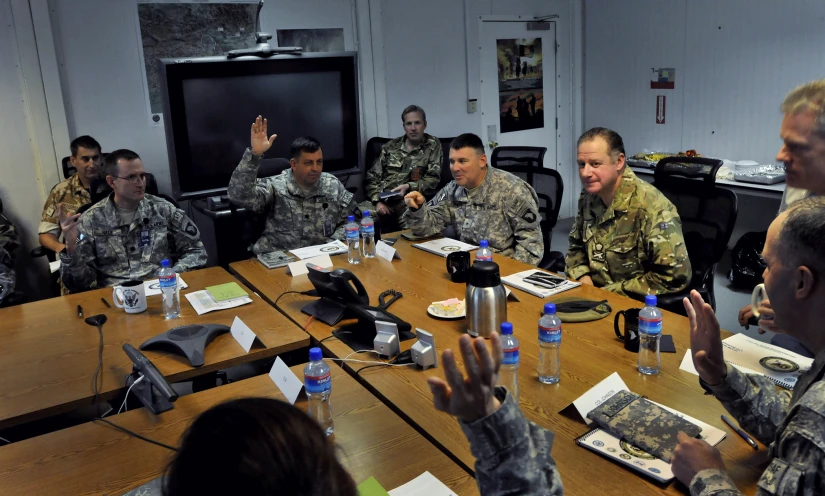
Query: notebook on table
(610, 446)
(444, 246)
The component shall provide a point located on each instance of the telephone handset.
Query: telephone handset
(338, 285)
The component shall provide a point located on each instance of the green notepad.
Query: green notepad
(228, 291)
(371, 487)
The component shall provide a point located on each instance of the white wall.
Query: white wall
(27, 170)
(426, 62)
(101, 67)
(735, 60)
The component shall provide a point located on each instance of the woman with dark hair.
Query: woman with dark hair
(256, 447)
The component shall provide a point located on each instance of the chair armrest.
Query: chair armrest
(39, 251)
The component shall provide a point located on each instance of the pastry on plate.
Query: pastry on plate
(448, 308)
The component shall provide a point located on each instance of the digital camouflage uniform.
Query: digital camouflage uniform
(634, 247)
(295, 218)
(512, 454)
(793, 426)
(503, 209)
(397, 165)
(8, 243)
(110, 252)
(69, 193)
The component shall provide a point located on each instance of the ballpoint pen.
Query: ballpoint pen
(106, 303)
(79, 311)
(741, 433)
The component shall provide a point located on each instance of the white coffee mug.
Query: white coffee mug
(130, 296)
(757, 297)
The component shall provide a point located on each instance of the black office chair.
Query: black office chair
(373, 150)
(708, 214)
(506, 156)
(446, 174)
(549, 190)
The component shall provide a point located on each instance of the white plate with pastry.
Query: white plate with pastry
(447, 309)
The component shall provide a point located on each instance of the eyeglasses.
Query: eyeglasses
(134, 178)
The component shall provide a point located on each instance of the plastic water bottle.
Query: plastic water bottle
(484, 253)
(318, 384)
(508, 375)
(368, 235)
(353, 241)
(549, 346)
(650, 332)
(169, 289)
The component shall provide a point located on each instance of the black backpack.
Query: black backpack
(747, 265)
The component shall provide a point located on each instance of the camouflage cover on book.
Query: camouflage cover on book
(636, 420)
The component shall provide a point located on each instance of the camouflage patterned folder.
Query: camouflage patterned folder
(636, 420)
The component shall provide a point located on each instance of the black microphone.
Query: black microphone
(152, 374)
(145, 220)
(325, 206)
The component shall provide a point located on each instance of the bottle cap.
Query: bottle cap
(506, 328)
(315, 354)
(650, 300)
(483, 243)
(165, 263)
(549, 308)
(366, 213)
(350, 218)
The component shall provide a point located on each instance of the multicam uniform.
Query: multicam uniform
(69, 193)
(633, 247)
(397, 165)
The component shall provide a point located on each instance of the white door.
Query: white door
(518, 84)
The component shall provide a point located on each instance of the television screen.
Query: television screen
(210, 104)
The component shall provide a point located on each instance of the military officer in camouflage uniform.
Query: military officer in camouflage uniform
(803, 155)
(8, 243)
(481, 203)
(306, 205)
(627, 237)
(793, 425)
(512, 454)
(409, 163)
(128, 234)
(71, 193)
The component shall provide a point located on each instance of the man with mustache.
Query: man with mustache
(306, 206)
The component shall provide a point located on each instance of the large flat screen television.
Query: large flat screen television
(210, 103)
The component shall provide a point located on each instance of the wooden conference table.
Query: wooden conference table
(48, 354)
(589, 353)
(94, 458)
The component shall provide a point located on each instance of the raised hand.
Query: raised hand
(259, 143)
(705, 340)
(472, 398)
(414, 199)
(69, 226)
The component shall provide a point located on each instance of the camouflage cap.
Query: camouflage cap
(574, 309)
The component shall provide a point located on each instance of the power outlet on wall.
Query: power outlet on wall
(472, 106)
